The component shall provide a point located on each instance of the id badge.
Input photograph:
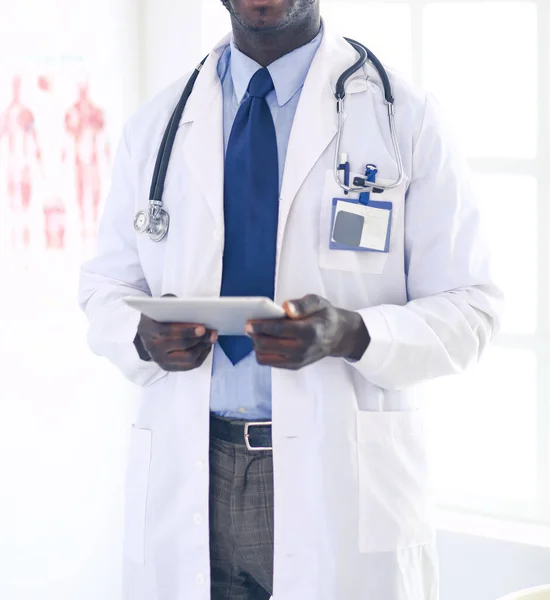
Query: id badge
(360, 226)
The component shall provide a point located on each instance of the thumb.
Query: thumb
(305, 307)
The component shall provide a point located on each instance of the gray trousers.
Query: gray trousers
(241, 522)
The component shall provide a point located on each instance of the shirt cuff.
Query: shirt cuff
(142, 352)
(381, 342)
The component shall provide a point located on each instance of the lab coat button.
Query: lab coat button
(217, 235)
(201, 465)
(201, 579)
(197, 518)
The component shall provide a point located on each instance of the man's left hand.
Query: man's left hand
(312, 330)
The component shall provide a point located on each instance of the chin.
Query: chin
(263, 15)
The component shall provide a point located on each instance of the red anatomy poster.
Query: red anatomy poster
(54, 167)
(18, 140)
(84, 125)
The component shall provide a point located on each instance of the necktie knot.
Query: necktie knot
(261, 84)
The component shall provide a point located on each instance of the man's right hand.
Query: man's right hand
(176, 346)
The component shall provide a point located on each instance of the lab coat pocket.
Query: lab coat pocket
(137, 478)
(351, 260)
(395, 500)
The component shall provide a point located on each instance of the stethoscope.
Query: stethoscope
(155, 221)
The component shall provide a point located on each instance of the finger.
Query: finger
(202, 357)
(187, 356)
(305, 307)
(283, 346)
(186, 331)
(270, 359)
(182, 341)
(281, 328)
(150, 326)
(277, 361)
(173, 341)
(185, 360)
(167, 344)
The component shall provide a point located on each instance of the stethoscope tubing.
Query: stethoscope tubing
(169, 136)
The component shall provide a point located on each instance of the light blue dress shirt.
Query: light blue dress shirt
(243, 391)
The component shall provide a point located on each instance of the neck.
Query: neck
(265, 47)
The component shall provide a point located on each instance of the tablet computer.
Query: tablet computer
(228, 315)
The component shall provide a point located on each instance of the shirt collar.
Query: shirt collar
(288, 72)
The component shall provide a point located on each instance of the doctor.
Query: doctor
(332, 501)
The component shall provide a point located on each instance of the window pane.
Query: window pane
(483, 428)
(383, 27)
(509, 207)
(481, 61)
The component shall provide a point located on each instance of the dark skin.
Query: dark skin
(265, 30)
(175, 346)
(313, 329)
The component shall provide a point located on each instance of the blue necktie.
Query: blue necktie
(251, 205)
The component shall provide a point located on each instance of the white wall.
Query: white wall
(178, 34)
(476, 568)
(171, 30)
(65, 414)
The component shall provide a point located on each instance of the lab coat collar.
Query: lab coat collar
(315, 123)
(203, 149)
(207, 87)
(333, 49)
(313, 129)
(288, 72)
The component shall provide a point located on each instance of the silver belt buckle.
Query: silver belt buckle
(247, 427)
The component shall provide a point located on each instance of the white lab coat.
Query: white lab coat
(353, 507)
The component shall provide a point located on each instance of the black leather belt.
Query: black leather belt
(255, 435)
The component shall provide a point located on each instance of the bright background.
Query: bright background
(65, 412)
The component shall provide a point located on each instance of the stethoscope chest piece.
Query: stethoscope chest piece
(141, 221)
(154, 223)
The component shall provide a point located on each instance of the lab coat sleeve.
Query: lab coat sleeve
(114, 274)
(453, 305)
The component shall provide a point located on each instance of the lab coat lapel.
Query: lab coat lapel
(315, 122)
(314, 127)
(203, 149)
